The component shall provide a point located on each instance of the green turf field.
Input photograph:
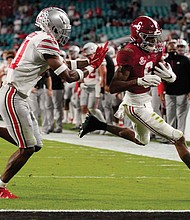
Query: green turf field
(71, 177)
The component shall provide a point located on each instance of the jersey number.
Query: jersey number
(148, 68)
(21, 51)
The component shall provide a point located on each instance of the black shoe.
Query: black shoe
(57, 131)
(45, 132)
(75, 128)
(90, 124)
(50, 130)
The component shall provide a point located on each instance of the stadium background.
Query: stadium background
(106, 17)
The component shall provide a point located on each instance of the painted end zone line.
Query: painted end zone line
(95, 214)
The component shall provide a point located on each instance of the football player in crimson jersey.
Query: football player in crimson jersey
(39, 51)
(139, 68)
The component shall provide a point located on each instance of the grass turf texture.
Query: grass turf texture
(70, 177)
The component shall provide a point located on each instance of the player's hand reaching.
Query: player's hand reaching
(149, 80)
(99, 56)
(165, 72)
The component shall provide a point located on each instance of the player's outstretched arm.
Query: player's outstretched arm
(61, 68)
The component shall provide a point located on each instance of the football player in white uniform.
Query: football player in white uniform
(91, 85)
(38, 51)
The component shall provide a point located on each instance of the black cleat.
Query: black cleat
(90, 124)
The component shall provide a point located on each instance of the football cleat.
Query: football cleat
(90, 124)
(6, 194)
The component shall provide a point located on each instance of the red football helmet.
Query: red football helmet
(146, 33)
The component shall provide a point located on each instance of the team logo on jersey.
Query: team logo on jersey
(142, 61)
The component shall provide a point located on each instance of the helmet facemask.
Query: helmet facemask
(62, 36)
(151, 43)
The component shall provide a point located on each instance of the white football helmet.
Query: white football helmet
(171, 45)
(74, 51)
(89, 48)
(111, 51)
(182, 46)
(63, 54)
(55, 21)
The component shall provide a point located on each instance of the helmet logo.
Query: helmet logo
(138, 26)
(43, 18)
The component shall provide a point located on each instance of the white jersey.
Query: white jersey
(29, 63)
(93, 78)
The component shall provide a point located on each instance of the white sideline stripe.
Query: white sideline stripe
(98, 177)
(104, 211)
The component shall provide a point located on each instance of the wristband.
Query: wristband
(81, 74)
(73, 64)
(89, 68)
(60, 69)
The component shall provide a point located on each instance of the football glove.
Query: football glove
(99, 56)
(165, 73)
(149, 80)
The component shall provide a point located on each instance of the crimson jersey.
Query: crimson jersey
(139, 63)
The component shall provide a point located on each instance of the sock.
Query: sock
(2, 184)
(83, 116)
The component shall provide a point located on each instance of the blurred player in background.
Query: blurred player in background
(91, 85)
(182, 47)
(73, 54)
(39, 51)
(8, 57)
(37, 100)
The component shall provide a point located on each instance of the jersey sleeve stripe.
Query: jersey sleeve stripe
(43, 46)
(49, 41)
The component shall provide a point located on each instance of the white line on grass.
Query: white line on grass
(99, 177)
(104, 211)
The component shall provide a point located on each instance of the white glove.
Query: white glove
(83, 86)
(166, 73)
(149, 80)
